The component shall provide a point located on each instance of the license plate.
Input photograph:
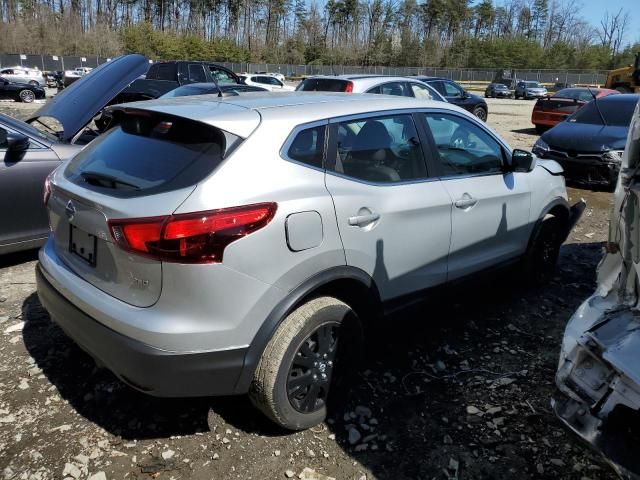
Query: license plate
(83, 244)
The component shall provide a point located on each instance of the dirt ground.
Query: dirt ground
(456, 389)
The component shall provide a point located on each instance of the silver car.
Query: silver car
(216, 246)
(24, 75)
(380, 84)
(529, 90)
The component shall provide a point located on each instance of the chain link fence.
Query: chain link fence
(580, 77)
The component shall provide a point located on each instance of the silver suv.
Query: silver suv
(215, 246)
(380, 84)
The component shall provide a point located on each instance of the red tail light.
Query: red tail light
(199, 237)
(349, 87)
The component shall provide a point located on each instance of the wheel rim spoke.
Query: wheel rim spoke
(311, 369)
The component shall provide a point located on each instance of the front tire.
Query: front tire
(544, 249)
(27, 96)
(302, 363)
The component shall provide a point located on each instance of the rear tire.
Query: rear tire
(544, 249)
(481, 113)
(303, 362)
(27, 96)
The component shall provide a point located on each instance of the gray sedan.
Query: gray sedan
(28, 156)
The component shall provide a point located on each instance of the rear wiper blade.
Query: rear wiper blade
(104, 180)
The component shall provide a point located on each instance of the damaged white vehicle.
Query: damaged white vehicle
(599, 369)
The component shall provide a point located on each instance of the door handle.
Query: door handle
(467, 201)
(363, 220)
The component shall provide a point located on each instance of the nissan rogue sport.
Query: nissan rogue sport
(214, 246)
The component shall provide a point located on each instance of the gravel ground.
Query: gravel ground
(457, 389)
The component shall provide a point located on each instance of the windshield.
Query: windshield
(532, 85)
(615, 113)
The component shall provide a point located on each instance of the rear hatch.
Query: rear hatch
(142, 169)
(564, 106)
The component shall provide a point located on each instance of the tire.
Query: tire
(544, 249)
(516, 96)
(481, 113)
(295, 352)
(26, 96)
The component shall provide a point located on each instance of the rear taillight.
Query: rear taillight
(46, 190)
(199, 237)
(349, 87)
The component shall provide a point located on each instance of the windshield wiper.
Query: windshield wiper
(104, 180)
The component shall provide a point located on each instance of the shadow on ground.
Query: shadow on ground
(497, 326)
(526, 131)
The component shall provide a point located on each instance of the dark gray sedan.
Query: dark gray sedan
(28, 156)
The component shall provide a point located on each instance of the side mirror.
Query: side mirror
(17, 143)
(521, 161)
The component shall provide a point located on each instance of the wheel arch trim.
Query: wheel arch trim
(290, 303)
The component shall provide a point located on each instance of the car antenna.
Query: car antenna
(595, 103)
(215, 80)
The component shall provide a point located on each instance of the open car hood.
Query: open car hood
(76, 105)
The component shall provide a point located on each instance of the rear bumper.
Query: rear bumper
(148, 369)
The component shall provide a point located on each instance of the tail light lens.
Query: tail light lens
(199, 237)
(349, 87)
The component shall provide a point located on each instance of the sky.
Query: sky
(593, 11)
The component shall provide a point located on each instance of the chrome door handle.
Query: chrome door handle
(467, 201)
(363, 220)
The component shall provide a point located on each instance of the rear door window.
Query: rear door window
(308, 146)
(379, 150)
(162, 71)
(196, 73)
(398, 89)
(149, 153)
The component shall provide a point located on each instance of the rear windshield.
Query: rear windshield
(576, 94)
(615, 113)
(188, 90)
(148, 153)
(323, 85)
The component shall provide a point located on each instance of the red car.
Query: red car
(549, 111)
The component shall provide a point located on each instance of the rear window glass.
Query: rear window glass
(308, 146)
(615, 113)
(148, 153)
(323, 85)
(582, 95)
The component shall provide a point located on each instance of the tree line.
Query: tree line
(451, 33)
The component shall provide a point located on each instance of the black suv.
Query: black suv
(457, 95)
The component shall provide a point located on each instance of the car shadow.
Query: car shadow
(526, 131)
(13, 259)
(100, 397)
(402, 381)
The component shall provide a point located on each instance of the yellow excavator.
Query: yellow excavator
(625, 79)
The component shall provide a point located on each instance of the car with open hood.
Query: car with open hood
(598, 375)
(55, 133)
(589, 143)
